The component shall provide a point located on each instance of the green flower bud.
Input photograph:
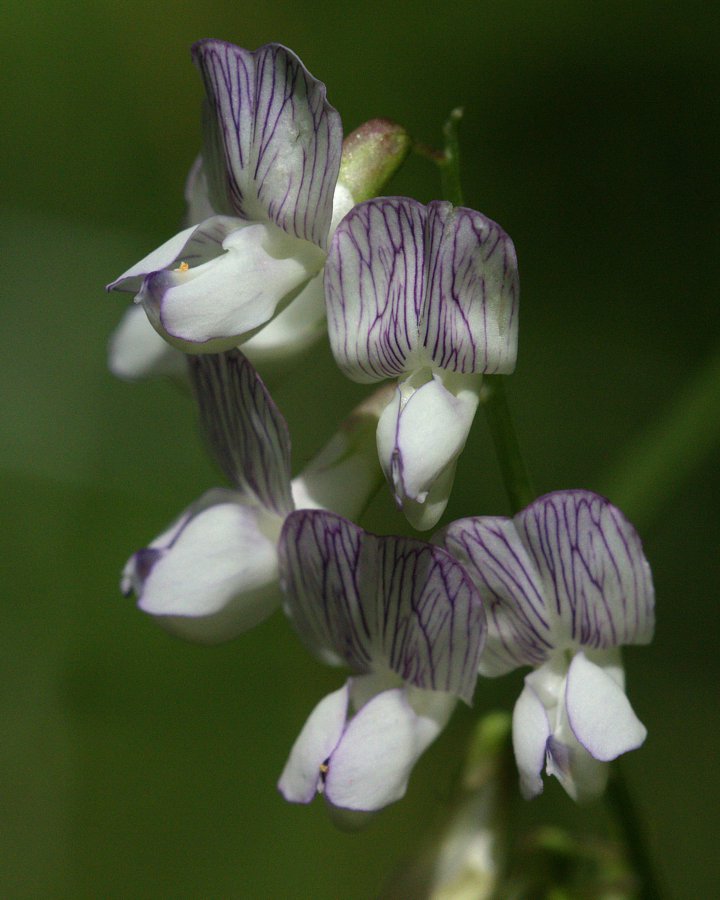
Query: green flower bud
(370, 157)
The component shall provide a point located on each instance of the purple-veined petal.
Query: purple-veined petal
(420, 435)
(137, 351)
(372, 762)
(595, 578)
(519, 626)
(245, 430)
(530, 733)
(567, 570)
(314, 745)
(599, 713)
(233, 284)
(409, 287)
(381, 602)
(213, 574)
(375, 287)
(470, 317)
(279, 139)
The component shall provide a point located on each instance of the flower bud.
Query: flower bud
(370, 157)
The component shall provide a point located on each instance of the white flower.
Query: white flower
(427, 295)
(214, 573)
(565, 584)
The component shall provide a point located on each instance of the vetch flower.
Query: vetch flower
(407, 619)
(565, 585)
(427, 295)
(214, 573)
(267, 184)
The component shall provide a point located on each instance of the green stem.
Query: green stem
(450, 161)
(512, 466)
(520, 493)
(515, 475)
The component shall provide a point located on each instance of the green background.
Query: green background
(133, 765)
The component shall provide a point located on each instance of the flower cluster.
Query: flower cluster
(286, 242)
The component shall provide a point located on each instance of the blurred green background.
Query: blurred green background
(133, 765)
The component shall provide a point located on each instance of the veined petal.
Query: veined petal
(245, 430)
(599, 713)
(372, 762)
(596, 580)
(375, 287)
(568, 570)
(303, 321)
(137, 351)
(246, 272)
(519, 626)
(420, 435)
(381, 602)
(213, 574)
(531, 732)
(302, 773)
(409, 286)
(470, 316)
(279, 138)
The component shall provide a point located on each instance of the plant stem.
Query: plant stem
(512, 466)
(515, 475)
(520, 493)
(450, 162)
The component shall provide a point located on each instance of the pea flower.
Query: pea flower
(406, 618)
(427, 295)
(213, 573)
(565, 584)
(265, 193)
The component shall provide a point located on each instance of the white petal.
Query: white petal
(599, 713)
(381, 603)
(302, 775)
(165, 255)
(374, 286)
(274, 140)
(293, 330)
(470, 317)
(137, 351)
(596, 580)
(371, 765)
(345, 474)
(216, 577)
(210, 306)
(491, 551)
(243, 427)
(530, 731)
(420, 435)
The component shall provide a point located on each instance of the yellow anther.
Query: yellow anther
(324, 768)
(183, 267)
